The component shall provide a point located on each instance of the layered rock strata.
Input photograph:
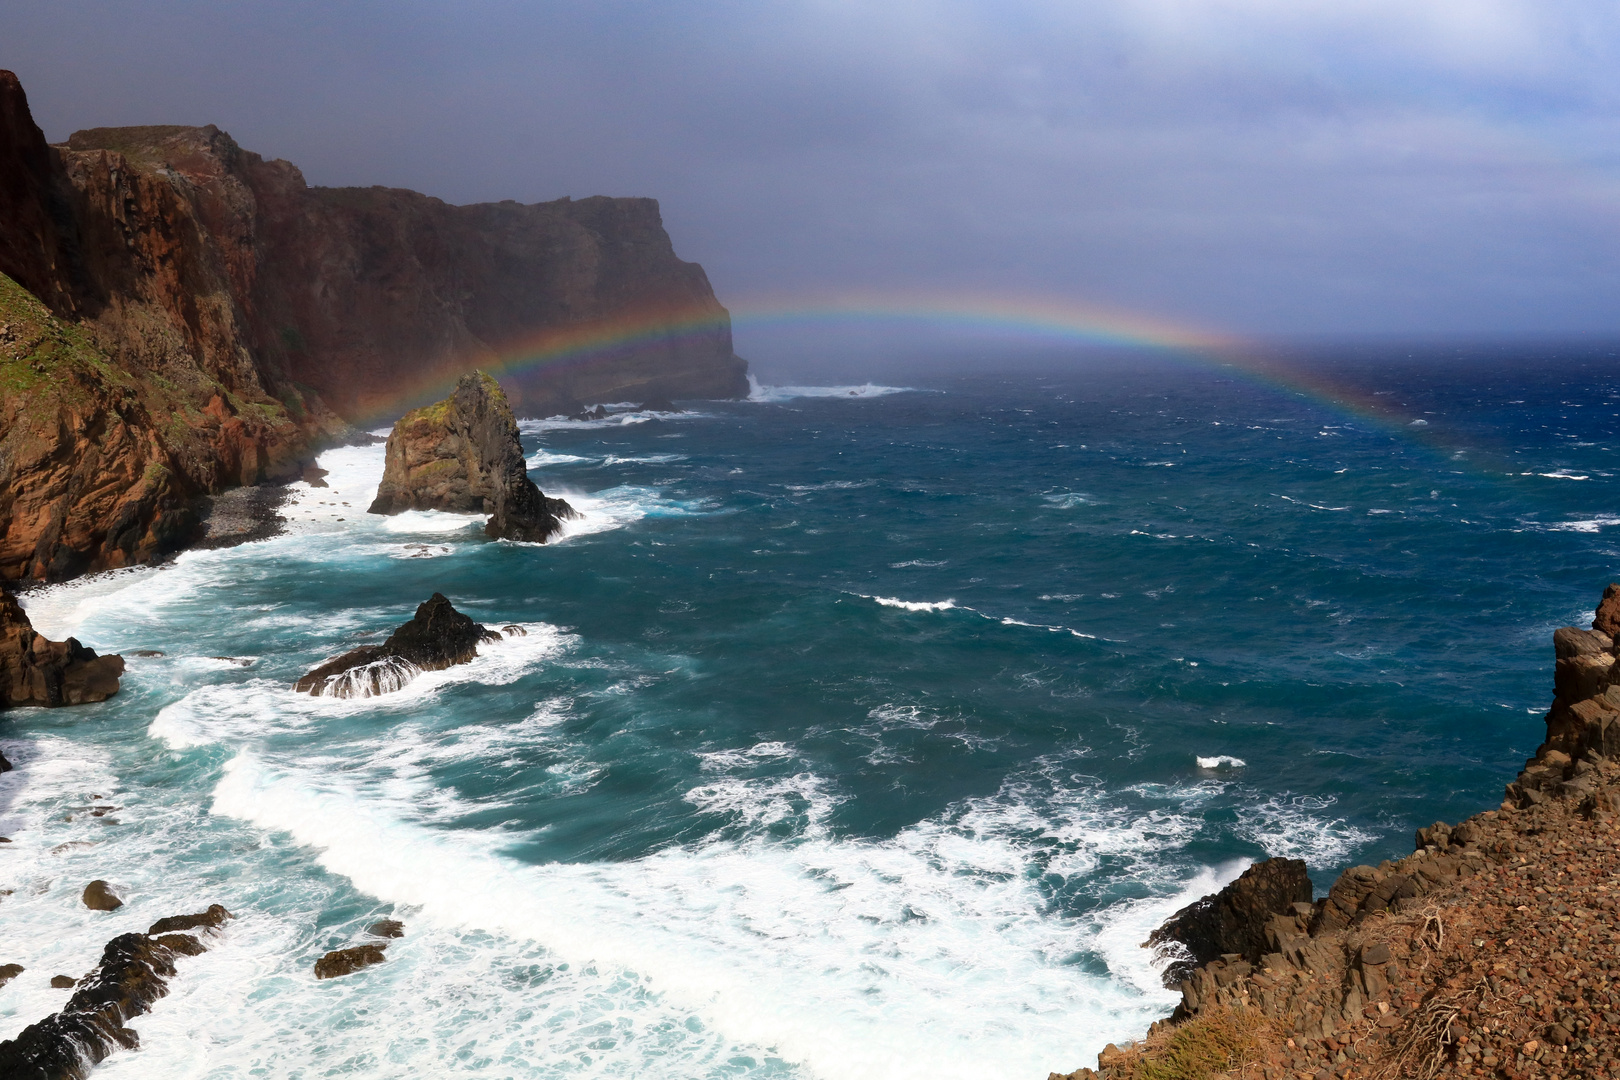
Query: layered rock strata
(463, 454)
(133, 973)
(179, 316)
(37, 671)
(437, 637)
(1492, 950)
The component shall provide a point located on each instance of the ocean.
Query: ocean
(856, 731)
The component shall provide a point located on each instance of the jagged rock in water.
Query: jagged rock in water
(1234, 919)
(9, 972)
(37, 671)
(389, 928)
(438, 637)
(341, 962)
(463, 454)
(213, 918)
(133, 973)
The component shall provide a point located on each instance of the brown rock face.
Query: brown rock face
(37, 671)
(1234, 920)
(179, 316)
(463, 454)
(1607, 618)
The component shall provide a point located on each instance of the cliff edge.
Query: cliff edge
(1493, 950)
(179, 316)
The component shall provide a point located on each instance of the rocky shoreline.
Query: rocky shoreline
(1493, 950)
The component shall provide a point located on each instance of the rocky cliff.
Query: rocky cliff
(179, 316)
(463, 454)
(1492, 950)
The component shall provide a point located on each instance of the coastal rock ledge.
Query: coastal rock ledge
(1493, 950)
(438, 637)
(463, 455)
(37, 671)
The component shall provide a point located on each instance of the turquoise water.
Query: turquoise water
(856, 732)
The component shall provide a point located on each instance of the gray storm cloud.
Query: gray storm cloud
(1253, 166)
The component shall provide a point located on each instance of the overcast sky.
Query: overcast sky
(1250, 166)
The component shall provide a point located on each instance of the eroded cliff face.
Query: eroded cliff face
(463, 454)
(206, 320)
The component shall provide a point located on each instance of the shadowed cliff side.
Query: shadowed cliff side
(37, 671)
(204, 312)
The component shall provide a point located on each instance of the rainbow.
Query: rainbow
(1006, 318)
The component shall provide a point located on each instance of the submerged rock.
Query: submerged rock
(133, 973)
(340, 962)
(62, 982)
(9, 972)
(37, 671)
(438, 637)
(389, 928)
(463, 454)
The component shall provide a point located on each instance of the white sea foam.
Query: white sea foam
(931, 954)
(914, 605)
(1584, 525)
(1293, 826)
(616, 507)
(1068, 500)
(1221, 761)
(541, 458)
(1564, 474)
(758, 392)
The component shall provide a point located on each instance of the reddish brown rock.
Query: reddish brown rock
(463, 454)
(1607, 619)
(37, 671)
(99, 896)
(205, 311)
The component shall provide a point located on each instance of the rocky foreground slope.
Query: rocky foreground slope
(179, 316)
(1492, 950)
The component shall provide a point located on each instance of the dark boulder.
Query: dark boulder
(63, 982)
(340, 962)
(1234, 920)
(37, 671)
(463, 454)
(99, 896)
(389, 928)
(437, 637)
(213, 918)
(133, 973)
(659, 404)
(9, 972)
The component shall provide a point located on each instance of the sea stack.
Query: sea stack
(438, 637)
(37, 671)
(463, 454)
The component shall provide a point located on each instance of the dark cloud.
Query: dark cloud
(1259, 166)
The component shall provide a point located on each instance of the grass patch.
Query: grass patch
(1212, 1043)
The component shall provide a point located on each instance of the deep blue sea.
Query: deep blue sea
(857, 732)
